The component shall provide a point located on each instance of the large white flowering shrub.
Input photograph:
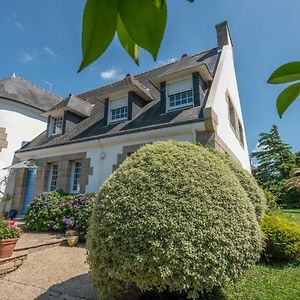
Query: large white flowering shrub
(175, 217)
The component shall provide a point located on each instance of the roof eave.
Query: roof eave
(202, 69)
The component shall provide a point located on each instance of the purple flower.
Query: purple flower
(69, 221)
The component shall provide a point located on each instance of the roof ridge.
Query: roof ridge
(150, 70)
(35, 85)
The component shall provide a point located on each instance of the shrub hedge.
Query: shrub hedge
(282, 237)
(248, 182)
(59, 211)
(173, 217)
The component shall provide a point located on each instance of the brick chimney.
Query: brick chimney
(223, 35)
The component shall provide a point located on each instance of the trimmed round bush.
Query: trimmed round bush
(173, 217)
(282, 237)
(247, 181)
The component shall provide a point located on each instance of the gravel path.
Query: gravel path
(55, 273)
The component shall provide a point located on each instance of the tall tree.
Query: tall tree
(275, 160)
(298, 158)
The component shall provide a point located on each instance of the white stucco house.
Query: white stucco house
(21, 106)
(193, 99)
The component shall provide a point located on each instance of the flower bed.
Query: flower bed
(59, 211)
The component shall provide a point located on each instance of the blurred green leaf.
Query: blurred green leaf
(144, 22)
(98, 29)
(287, 97)
(129, 45)
(287, 73)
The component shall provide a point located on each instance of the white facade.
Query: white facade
(224, 85)
(22, 123)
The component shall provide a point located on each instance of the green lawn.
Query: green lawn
(292, 214)
(279, 281)
(267, 282)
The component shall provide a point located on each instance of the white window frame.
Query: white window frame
(56, 130)
(120, 112)
(53, 171)
(180, 95)
(118, 104)
(75, 176)
(184, 85)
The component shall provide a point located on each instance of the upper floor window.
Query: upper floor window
(181, 99)
(53, 174)
(241, 133)
(180, 94)
(120, 113)
(231, 112)
(56, 125)
(118, 109)
(75, 177)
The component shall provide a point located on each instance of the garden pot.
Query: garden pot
(72, 240)
(7, 247)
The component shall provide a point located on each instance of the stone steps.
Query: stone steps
(10, 264)
(29, 243)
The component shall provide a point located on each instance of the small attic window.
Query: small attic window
(180, 94)
(118, 109)
(56, 125)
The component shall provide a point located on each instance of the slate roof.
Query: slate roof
(23, 91)
(148, 118)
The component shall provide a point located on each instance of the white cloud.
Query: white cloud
(112, 73)
(259, 148)
(167, 61)
(13, 20)
(27, 57)
(49, 51)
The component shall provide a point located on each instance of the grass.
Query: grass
(269, 281)
(292, 214)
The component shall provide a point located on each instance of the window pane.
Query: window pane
(119, 113)
(181, 99)
(53, 177)
(76, 176)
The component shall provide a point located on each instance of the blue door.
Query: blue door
(29, 189)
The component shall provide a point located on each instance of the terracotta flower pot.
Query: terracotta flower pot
(72, 240)
(7, 247)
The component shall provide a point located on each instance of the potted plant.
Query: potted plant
(9, 235)
(72, 237)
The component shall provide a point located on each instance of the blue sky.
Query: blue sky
(40, 41)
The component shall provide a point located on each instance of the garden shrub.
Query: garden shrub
(173, 217)
(248, 182)
(282, 237)
(59, 211)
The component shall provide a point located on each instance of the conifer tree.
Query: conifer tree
(275, 160)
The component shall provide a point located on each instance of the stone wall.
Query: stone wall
(3, 138)
(63, 180)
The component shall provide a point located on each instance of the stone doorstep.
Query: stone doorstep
(42, 245)
(10, 264)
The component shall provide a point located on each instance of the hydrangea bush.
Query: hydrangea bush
(174, 217)
(59, 211)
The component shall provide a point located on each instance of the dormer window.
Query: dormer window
(56, 125)
(181, 99)
(120, 113)
(180, 94)
(118, 110)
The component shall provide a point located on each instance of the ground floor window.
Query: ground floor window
(75, 177)
(53, 173)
